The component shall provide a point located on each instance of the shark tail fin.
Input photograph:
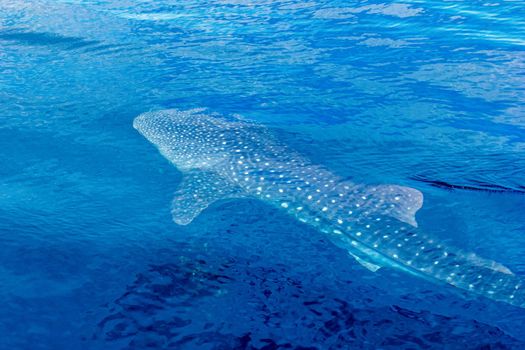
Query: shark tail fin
(197, 191)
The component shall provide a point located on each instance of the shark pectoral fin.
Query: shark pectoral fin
(399, 202)
(198, 190)
(370, 266)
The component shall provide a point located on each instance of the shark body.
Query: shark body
(227, 157)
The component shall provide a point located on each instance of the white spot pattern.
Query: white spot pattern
(244, 159)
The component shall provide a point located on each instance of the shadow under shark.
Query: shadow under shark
(228, 157)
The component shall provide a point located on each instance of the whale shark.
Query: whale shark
(227, 157)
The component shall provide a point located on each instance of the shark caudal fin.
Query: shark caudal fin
(197, 191)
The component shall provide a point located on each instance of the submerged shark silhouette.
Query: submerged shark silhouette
(228, 157)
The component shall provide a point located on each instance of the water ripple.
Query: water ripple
(428, 94)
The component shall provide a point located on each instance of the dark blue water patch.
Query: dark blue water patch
(243, 304)
(513, 132)
(45, 39)
(461, 104)
(266, 282)
(472, 186)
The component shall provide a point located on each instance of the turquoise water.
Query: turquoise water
(423, 94)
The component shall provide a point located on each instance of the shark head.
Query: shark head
(189, 139)
(194, 140)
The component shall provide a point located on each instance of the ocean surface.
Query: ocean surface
(425, 94)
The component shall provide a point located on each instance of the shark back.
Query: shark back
(225, 157)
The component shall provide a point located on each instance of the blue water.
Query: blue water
(426, 94)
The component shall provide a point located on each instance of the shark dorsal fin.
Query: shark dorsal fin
(197, 191)
(399, 202)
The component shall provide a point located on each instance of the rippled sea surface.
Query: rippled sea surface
(426, 94)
